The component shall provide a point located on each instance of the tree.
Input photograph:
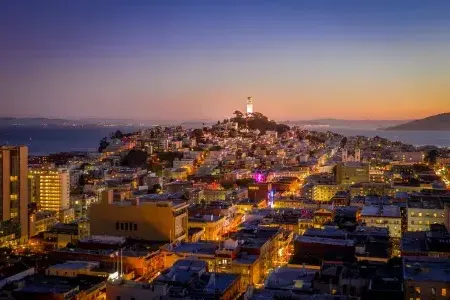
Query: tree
(116, 135)
(431, 157)
(103, 144)
(156, 188)
(135, 158)
(238, 114)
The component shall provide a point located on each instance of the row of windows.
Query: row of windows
(126, 226)
(427, 214)
(418, 291)
(420, 223)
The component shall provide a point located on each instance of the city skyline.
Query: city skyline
(193, 60)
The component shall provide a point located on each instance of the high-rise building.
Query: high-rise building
(13, 192)
(50, 188)
(249, 105)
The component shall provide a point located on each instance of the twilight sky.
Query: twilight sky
(191, 59)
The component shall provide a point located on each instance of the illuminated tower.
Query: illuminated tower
(13, 192)
(249, 105)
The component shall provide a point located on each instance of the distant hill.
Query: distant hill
(433, 123)
(342, 123)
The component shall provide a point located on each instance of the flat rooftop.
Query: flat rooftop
(76, 265)
(198, 248)
(286, 278)
(40, 284)
(156, 199)
(246, 259)
(205, 218)
(426, 269)
(425, 203)
(221, 282)
(105, 239)
(326, 241)
(386, 211)
(326, 232)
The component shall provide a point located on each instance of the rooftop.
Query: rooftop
(156, 199)
(329, 232)
(76, 265)
(387, 211)
(11, 270)
(40, 284)
(246, 259)
(205, 218)
(326, 241)
(426, 269)
(208, 248)
(425, 203)
(105, 239)
(290, 279)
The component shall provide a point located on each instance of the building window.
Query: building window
(122, 226)
(135, 227)
(444, 292)
(433, 291)
(417, 289)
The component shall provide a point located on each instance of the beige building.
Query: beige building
(324, 192)
(387, 216)
(141, 218)
(14, 191)
(42, 221)
(421, 214)
(50, 188)
(213, 226)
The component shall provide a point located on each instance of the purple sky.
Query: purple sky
(201, 59)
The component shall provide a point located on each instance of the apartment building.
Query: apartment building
(50, 188)
(141, 218)
(422, 212)
(387, 216)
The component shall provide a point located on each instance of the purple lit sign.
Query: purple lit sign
(259, 177)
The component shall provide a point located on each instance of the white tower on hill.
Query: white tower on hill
(249, 105)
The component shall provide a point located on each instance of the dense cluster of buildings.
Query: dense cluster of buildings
(224, 212)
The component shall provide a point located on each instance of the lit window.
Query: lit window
(417, 290)
(444, 292)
